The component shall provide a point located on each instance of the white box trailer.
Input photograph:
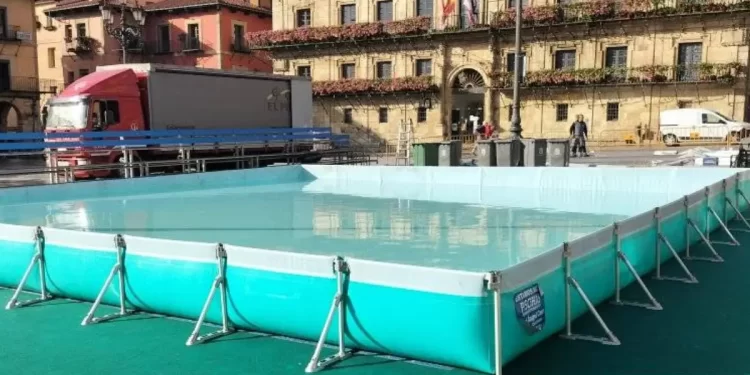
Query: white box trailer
(178, 97)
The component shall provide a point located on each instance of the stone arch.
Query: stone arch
(10, 116)
(470, 97)
(471, 70)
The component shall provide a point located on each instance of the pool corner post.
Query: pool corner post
(494, 284)
(611, 339)
(341, 269)
(119, 270)
(38, 260)
(220, 282)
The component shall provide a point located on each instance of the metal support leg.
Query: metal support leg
(690, 279)
(494, 285)
(339, 302)
(621, 257)
(38, 260)
(738, 213)
(723, 226)
(119, 270)
(716, 258)
(611, 339)
(220, 282)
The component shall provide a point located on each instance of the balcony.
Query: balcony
(240, 45)
(10, 34)
(611, 10)
(501, 21)
(28, 87)
(358, 87)
(653, 74)
(80, 45)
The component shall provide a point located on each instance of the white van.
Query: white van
(699, 123)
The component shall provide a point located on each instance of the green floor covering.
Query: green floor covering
(702, 331)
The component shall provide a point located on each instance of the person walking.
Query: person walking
(579, 133)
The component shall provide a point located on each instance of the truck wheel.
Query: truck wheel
(670, 140)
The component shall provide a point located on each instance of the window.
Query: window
(423, 67)
(304, 18)
(68, 33)
(613, 111)
(3, 22)
(348, 14)
(382, 115)
(565, 60)
(689, 57)
(71, 76)
(238, 35)
(684, 104)
(304, 71)
(83, 73)
(80, 30)
(192, 39)
(511, 64)
(5, 76)
(383, 70)
(616, 59)
(512, 3)
(51, 57)
(422, 114)
(348, 116)
(561, 112)
(385, 11)
(163, 43)
(347, 71)
(425, 8)
(107, 112)
(710, 118)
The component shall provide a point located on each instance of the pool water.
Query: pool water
(284, 217)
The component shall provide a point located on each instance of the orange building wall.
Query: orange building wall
(252, 61)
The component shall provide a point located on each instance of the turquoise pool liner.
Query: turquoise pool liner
(437, 315)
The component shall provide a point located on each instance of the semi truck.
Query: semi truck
(138, 97)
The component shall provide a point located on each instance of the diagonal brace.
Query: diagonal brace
(220, 283)
(339, 303)
(39, 261)
(119, 270)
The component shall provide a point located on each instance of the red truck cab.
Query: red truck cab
(108, 100)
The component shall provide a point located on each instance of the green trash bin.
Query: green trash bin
(457, 148)
(425, 154)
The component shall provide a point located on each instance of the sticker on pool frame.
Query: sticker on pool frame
(530, 308)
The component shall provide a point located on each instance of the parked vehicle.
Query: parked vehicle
(137, 97)
(699, 124)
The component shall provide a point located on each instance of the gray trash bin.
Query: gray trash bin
(446, 155)
(558, 152)
(486, 155)
(535, 152)
(509, 153)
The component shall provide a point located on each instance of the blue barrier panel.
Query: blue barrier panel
(170, 138)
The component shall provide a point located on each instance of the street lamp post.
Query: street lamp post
(515, 121)
(125, 34)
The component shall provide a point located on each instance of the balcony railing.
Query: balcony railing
(343, 87)
(239, 45)
(579, 12)
(652, 74)
(29, 85)
(79, 45)
(10, 34)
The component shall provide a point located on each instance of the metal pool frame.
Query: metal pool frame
(495, 282)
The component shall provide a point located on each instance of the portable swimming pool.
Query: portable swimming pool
(435, 264)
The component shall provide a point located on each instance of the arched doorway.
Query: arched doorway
(467, 111)
(10, 117)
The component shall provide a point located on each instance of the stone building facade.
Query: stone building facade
(378, 64)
